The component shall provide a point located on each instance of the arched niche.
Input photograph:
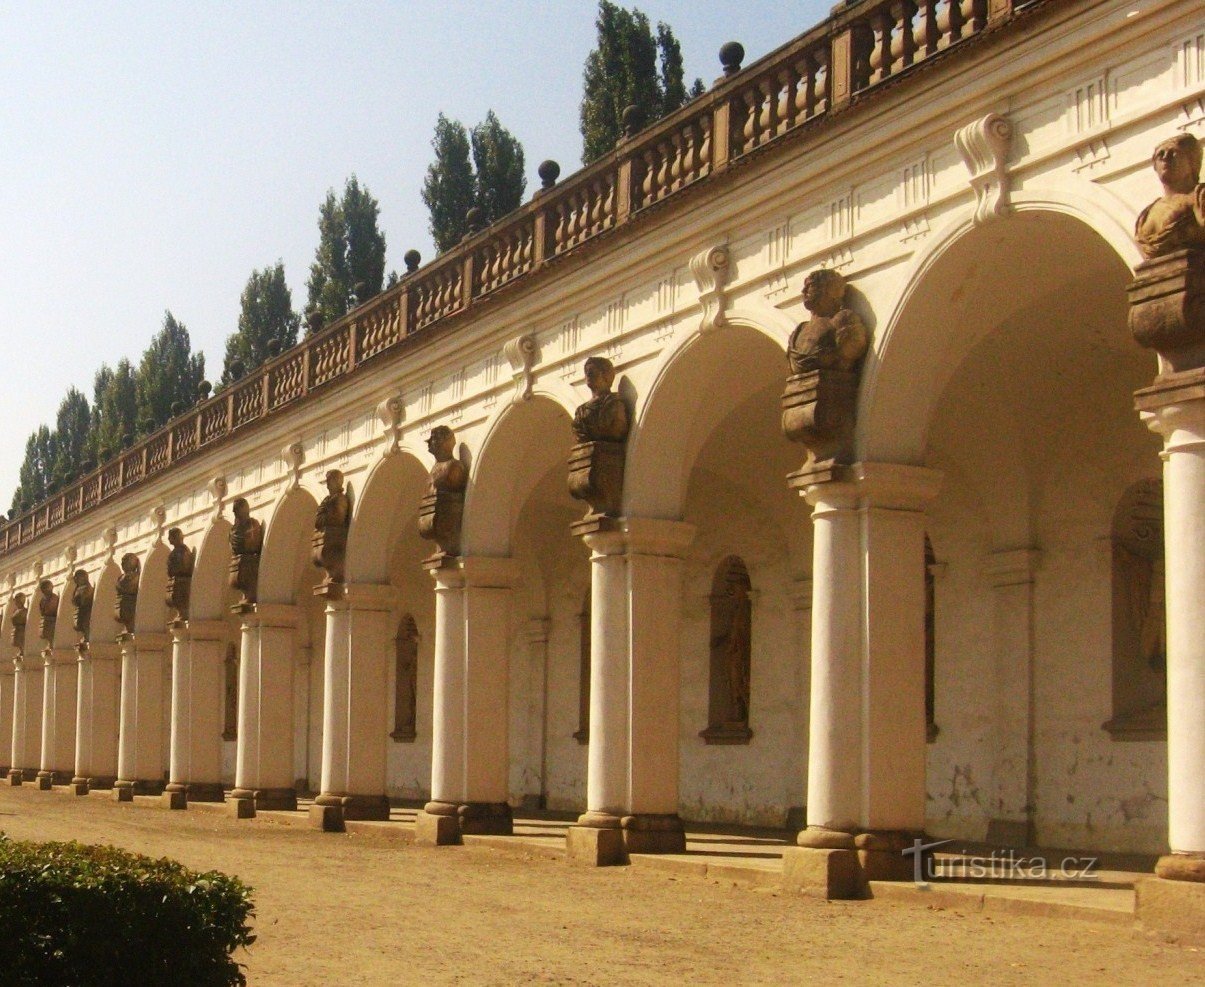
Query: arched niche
(286, 552)
(386, 511)
(405, 692)
(210, 593)
(151, 614)
(731, 654)
(104, 624)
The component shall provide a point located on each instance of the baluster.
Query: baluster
(926, 29)
(903, 41)
(880, 52)
(676, 151)
(705, 156)
(974, 17)
(752, 108)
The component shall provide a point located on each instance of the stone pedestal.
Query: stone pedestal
(440, 514)
(818, 411)
(596, 476)
(96, 718)
(198, 691)
(469, 759)
(355, 714)
(866, 741)
(632, 772)
(141, 740)
(263, 774)
(1174, 407)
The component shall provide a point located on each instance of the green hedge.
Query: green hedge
(85, 916)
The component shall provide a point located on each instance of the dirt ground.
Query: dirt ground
(336, 909)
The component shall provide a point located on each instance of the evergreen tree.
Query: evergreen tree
(266, 316)
(351, 254)
(169, 374)
(114, 410)
(449, 190)
(34, 477)
(622, 71)
(73, 427)
(499, 181)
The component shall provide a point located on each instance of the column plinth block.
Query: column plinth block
(594, 846)
(829, 874)
(79, 786)
(14, 777)
(123, 791)
(175, 797)
(432, 829)
(45, 781)
(1182, 867)
(1173, 908)
(242, 807)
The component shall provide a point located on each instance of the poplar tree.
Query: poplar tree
(350, 261)
(449, 189)
(266, 319)
(73, 428)
(498, 182)
(169, 375)
(114, 409)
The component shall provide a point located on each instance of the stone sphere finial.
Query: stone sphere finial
(731, 56)
(549, 171)
(633, 120)
(475, 221)
(273, 347)
(178, 408)
(412, 258)
(313, 318)
(204, 389)
(237, 369)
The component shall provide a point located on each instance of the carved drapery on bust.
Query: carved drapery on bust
(331, 523)
(127, 592)
(1167, 296)
(82, 595)
(600, 426)
(48, 610)
(246, 542)
(19, 616)
(442, 507)
(180, 563)
(825, 356)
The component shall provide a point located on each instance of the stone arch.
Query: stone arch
(286, 547)
(64, 633)
(211, 574)
(151, 613)
(522, 444)
(389, 500)
(104, 625)
(682, 407)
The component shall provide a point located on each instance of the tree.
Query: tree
(499, 182)
(114, 409)
(350, 260)
(169, 375)
(73, 428)
(622, 71)
(266, 317)
(34, 476)
(449, 189)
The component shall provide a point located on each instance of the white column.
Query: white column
(141, 735)
(83, 719)
(1175, 408)
(635, 610)
(470, 754)
(46, 760)
(195, 773)
(16, 774)
(7, 699)
(356, 702)
(1010, 811)
(27, 717)
(264, 761)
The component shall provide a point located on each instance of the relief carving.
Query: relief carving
(246, 542)
(442, 507)
(48, 610)
(825, 356)
(127, 592)
(82, 596)
(331, 523)
(1167, 297)
(180, 563)
(600, 426)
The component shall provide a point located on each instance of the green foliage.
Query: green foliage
(94, 916)
(499, 181)
(449, 190)
(169, 374)
(266, 317)
(623, 71)
(114, 409)
(73, 426)
(350, 261)
(34, 476)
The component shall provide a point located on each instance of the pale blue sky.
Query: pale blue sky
(155, 153)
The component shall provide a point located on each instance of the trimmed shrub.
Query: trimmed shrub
(91, 916)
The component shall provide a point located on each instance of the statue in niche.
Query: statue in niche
(127, 592)
(731, 654)
(48, 610)
(600, 426)
(180, 564)
(230, 704)
(246, 542)
(1176, 220)
(406, 681)
(19, 617)
(331, 522)
(442, 508)
(82, 595)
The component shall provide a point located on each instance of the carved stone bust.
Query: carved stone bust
(442, 508)
(834, 338)
(596, 463)
(19, 617)
(127, 592)
(331, 522)
(246, 542)
(1176, 220)
(82, 595)
(180, 564)
(448, 474)
(604, 417)
(48, 610)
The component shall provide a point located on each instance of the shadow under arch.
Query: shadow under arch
(104, 626)
(523, 444)
(388, 503)
(698, 385)
(286, 547)
(150, 614)
(972, 281)
(211, 573)
(64, 633)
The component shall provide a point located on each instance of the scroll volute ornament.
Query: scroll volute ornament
(246, 543)
(82, 596)
(825, 356)
(596, 462)
(442, 508)
(48, 611)
(331, 523)
(180, 564)
(1167, 296)
(127, 592)
(18, 619)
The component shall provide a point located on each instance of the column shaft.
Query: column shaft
(195, 773)
(141, 739)
(7, 701)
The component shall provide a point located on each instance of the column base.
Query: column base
(834, 864)
(443, 823)
(175, 797)
(79, 785)
(45, 781)
(123, 791)
(102, 784)
(601, 839)
(329, 812)
(826, 873)
(1174, 908)
(1181, 867)
(15, 777)
(436, 829)
(592, 846)
(242, 804)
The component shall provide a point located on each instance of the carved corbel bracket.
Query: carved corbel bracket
(984, 147)
(294, 458)
(217, 489)
(391, 413)
(110, 537)
(522, 352)
(711, 269)
(159, 520)
(70, 554)
(38, 568)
